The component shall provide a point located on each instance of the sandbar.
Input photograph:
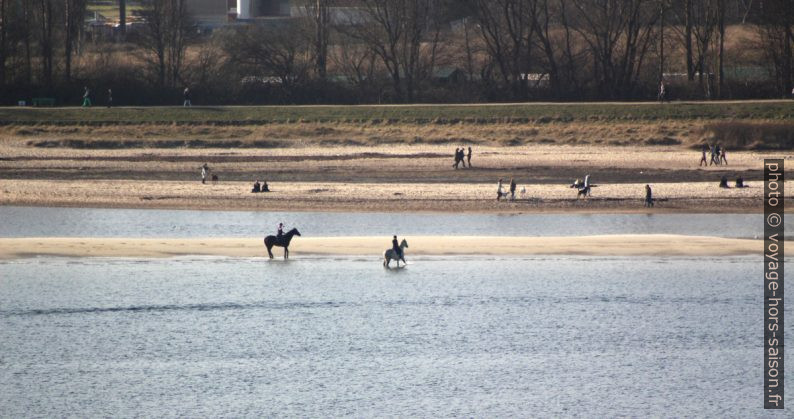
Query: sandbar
(601, 245)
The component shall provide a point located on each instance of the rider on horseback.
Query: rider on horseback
(280, 231)
(396, 247)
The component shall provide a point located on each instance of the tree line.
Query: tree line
(365, 51)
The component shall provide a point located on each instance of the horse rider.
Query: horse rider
(280, 231)
(396, 247)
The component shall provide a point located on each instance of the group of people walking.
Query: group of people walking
(460, 155)
(717, 154)
(87, 103)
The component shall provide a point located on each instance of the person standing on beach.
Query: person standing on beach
(86, 97)
(512, 189)
(457, 158)
(204, 171)
(703, 156)
(186, 94)
(462, 157)
(499, 190)
(110, 98)
(648, 196)
(468, 157)
(722, 157)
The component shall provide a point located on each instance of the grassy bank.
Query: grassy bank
(536, 113)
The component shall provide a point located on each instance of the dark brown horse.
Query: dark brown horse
(282, 241)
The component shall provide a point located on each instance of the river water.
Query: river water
(488, 337)
(341, 336)
(82, 222)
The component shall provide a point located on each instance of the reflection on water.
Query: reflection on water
(81, 222)
(494, 337)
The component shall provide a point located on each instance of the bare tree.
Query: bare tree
(745, 7)
(507, 27)
(4, 48)
(27, 35)
(318, 12)
(358, 64)
(690, 63)
(721, 11)
(47, 40)
(549, 17)
(776, 28)
(166, 36)
(73, 19)
(270, 52)
(394, 31)
(618, 34)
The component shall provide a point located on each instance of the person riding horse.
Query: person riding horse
(283, 240)
(396, 253)
(280, 230)
(395, 245)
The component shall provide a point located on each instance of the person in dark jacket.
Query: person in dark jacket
(648, 196)
(396, 247)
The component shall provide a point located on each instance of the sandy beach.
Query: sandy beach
(607, 245)
(382, 165)
(691, 197)
(407, 178)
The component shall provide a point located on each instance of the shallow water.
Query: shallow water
(198, 337)
(83, 222)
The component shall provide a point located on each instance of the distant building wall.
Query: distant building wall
(215, 12)
(208, 12)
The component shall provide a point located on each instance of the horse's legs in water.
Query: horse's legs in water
(286, 253)
(269, 252)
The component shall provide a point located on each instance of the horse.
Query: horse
(282, 241)
(389, 255)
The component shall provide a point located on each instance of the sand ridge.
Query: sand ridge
(600, 245)
(683, 197)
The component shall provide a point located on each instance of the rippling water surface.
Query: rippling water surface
(197, 337)
(85, 222)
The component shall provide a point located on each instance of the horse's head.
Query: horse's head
(295, 232)
(404, 244)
